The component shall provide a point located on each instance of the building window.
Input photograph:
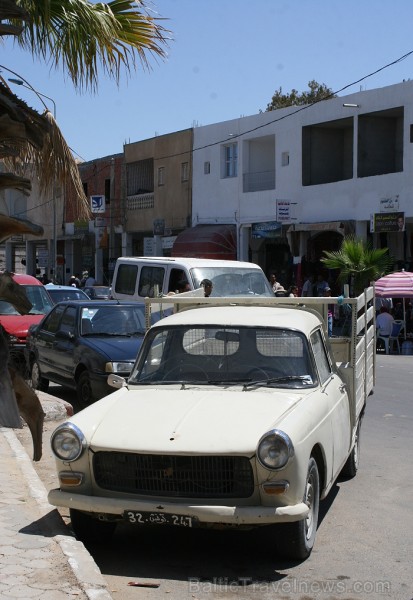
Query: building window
(107, 191)
(231, 160)
(207, 167)
(285, 159)
(161, 176)
(85, 188)
(184, 171)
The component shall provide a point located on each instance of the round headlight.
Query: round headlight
(275, 449)
(68, 442)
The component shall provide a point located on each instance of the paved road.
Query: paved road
(364, 542)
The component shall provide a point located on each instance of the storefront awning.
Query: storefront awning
(327, 226)
(207, 241)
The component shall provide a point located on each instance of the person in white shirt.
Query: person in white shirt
(384, 322)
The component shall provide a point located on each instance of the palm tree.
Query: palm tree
(358, 262)
(82, 36)
(85, 39)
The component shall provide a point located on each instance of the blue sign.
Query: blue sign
(267, 230)
(97, 204)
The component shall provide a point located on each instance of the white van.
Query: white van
(139, 277)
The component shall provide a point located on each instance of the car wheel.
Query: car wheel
(90, 529)
(351, 466)
(38, 382)
(297, 539)
(84, 389)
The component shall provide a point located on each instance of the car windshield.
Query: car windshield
(59, 295)
(236, 282)
(113, 320)
(40, 299)
(248, 356)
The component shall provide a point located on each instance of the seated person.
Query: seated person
(384, 322)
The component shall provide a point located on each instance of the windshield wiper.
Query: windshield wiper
(305, 378)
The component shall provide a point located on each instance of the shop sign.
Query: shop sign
(286, 211)
(387, 222)
(266, 230)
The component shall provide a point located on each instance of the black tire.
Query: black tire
(297, 539)
(84, 389)
(352, 464)
(90, 529)
(38, 381)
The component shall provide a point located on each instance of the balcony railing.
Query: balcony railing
(140, 201)
(258, 182)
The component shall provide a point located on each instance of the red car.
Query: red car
(16, 325)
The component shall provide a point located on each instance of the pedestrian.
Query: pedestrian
(308, 287)
(321, 285)
(72, 281)
(276, 285)
(85, 275)
(330, 312)
(90, 281)
(207, 285)
(183, 286)
(293, 291)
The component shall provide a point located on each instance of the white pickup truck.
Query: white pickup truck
(239, 412)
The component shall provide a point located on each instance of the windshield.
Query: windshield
(220, 355)
(234, 282)
(40, 299)
(60, 295)
(113, 320)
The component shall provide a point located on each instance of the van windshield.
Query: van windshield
(232, 282)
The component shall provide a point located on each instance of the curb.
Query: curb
(79, 560)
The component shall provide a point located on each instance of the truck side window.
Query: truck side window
(126, 279)
(320, 356)
(176, 276)
(151, 281)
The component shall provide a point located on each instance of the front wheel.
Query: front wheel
(90, 529)
(84, 389)
(298, 538)
(38, 382)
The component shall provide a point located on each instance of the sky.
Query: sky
(225, 60)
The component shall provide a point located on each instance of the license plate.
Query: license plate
(158, 518)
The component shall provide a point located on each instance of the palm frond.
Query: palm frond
(82, 37)
(357, 260)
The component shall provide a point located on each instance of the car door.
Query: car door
(42, 342)
(334, 392)
(65, 345)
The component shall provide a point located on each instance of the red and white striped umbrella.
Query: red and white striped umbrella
(395, 285)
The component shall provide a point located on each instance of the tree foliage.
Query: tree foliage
(358, 262)
(316, 92)
(82, 36)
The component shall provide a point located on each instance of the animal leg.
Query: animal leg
(30, 409)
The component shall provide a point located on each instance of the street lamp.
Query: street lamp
(21, 81)
(38, 94)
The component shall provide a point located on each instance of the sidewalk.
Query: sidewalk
(38, 558)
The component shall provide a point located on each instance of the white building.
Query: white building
(292, 182)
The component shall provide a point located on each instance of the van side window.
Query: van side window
(175, 277)
(151, 281)
(126, 279)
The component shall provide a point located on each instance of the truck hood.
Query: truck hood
(192, 420)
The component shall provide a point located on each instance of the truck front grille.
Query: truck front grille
(174, 476)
